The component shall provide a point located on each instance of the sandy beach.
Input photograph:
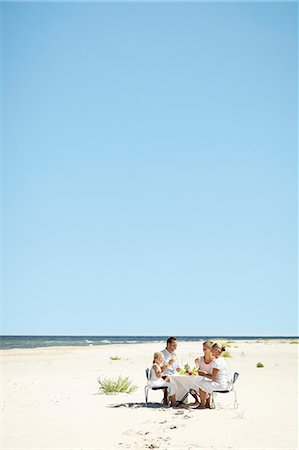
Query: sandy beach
(51, 400)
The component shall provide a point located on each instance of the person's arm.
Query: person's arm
(157, 370)
(200, 371)
(177, 364)
(212, 377)
(178, 368)
(166, 365)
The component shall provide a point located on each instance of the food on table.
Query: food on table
(187, 367)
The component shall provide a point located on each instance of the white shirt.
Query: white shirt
(171, 370)
(223, 376)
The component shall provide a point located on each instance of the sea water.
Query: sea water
(11, 342)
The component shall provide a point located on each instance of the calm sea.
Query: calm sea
(10, 342)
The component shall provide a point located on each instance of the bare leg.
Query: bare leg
(165, 399)
(202, 395)
(173, 400)
(208, 402)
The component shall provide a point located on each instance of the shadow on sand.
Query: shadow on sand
(138, 405)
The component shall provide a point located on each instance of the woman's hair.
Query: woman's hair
(208, 344)
(221, 348)
(157, 355)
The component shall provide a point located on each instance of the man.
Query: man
(171, 363)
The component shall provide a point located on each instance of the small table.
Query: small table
(185, 382)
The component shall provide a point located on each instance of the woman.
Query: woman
(204, 364)
(218, 380)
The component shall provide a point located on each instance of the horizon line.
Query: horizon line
(147, 335)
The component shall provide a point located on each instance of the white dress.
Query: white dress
(159, 382)
(222, 382)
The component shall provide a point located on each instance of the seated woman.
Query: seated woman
(204, 364)
(157, 380)
(219, 380)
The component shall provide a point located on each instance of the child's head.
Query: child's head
(158, 358)
(207, 347)
(217, 349)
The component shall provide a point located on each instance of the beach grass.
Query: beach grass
(115, 358)
(226, 355)
(116, 386)
(260, 364)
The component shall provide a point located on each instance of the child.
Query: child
(157, 380)
(219, 380)
(204, 364)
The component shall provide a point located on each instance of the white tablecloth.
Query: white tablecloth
(185, 382)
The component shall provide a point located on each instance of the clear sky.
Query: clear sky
(150, 168)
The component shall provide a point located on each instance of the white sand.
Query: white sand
(50, 401)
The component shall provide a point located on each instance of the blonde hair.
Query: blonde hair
(208, 344)
(221, 348)
(157, 355)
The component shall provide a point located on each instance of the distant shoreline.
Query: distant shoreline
(30, 342)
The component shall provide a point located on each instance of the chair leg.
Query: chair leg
(213, 404)
(214, 396)
(236, 401)
(146, 395)
(180, 402)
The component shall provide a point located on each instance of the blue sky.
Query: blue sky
(150, 168)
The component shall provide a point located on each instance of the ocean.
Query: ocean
(15, 342)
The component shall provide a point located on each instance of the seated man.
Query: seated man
(171, 363)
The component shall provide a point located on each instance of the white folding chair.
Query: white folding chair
(148, 386)
(232, 389)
